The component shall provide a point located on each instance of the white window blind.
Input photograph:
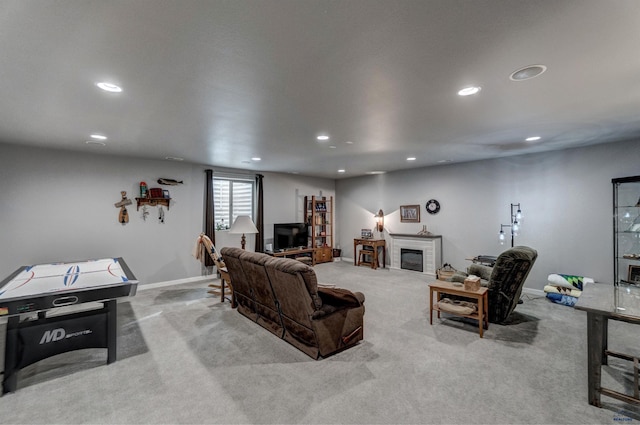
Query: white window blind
(231, 198)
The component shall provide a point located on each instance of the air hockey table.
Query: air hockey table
(31, 299)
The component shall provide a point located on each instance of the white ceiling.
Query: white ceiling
(218, 82)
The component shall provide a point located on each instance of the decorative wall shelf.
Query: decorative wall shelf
(153, 202)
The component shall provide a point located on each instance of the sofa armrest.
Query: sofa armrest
(335, 299)
(340, 297)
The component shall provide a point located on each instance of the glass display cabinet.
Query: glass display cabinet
(626, 230)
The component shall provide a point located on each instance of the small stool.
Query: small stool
(371, 253)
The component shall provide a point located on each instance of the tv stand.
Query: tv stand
(295, 252)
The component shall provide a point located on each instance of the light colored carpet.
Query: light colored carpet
(185, 358)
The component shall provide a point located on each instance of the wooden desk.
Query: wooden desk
(603, 302)
(480, 295)
(376, 244)
(294, 253)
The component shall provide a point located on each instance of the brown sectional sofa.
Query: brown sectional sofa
(282, 295)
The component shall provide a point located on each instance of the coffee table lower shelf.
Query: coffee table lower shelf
(448, 288)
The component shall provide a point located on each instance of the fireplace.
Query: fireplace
(411, 259)
(408, 249)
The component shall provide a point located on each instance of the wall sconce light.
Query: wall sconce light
(379, 221)
(514, 225)
(243, 224)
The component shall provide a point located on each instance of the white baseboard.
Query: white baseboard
(534, 292)
(175, 282)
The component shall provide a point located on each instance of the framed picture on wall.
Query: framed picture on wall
(634, 274)
(410, 213)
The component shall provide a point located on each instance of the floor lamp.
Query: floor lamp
(516, 222)
(244, 225)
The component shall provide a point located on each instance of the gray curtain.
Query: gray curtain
(209, 213)
(260, 214)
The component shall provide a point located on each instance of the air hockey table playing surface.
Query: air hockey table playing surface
(46, 286)
(43, 287)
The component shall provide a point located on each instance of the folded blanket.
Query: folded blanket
(563, 291)
(569, 281)
(562, 299)
(457, 307)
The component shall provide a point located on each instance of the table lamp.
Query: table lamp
(243, 224)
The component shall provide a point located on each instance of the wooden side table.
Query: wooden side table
(376, 244)
(481, 296)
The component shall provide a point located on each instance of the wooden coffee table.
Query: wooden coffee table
(481, 296)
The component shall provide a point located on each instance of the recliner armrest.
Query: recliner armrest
(480, 270)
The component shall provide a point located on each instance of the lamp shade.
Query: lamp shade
(244, 225)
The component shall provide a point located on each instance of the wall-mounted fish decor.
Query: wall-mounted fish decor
(169, 182)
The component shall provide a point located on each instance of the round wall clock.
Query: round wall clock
(433, 206)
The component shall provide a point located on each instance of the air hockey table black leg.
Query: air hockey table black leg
(10, 381)
(111, 307)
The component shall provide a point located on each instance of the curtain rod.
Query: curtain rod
(234, 175)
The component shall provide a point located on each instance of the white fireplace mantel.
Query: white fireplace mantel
(431, 247)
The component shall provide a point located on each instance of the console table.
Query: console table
(603, 302)
(295, 253)
(376, 244)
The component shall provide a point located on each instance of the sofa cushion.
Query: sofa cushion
(293, 267)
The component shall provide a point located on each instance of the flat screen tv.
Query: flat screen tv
(290, 235)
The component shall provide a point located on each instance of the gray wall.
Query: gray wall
(566, 198)
(59, 206)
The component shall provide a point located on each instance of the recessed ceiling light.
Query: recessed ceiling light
(173, 158)
(98, 137)
(341, 170)
(532, 138)
(255, 158)
(95, 143)
(323, 137)
(349, 142)
(376, 172)
(109, 87)
(527, 72)
(332, 147)
(442, 161)
(468, 91)
(411, 158)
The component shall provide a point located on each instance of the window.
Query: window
(231, 198)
